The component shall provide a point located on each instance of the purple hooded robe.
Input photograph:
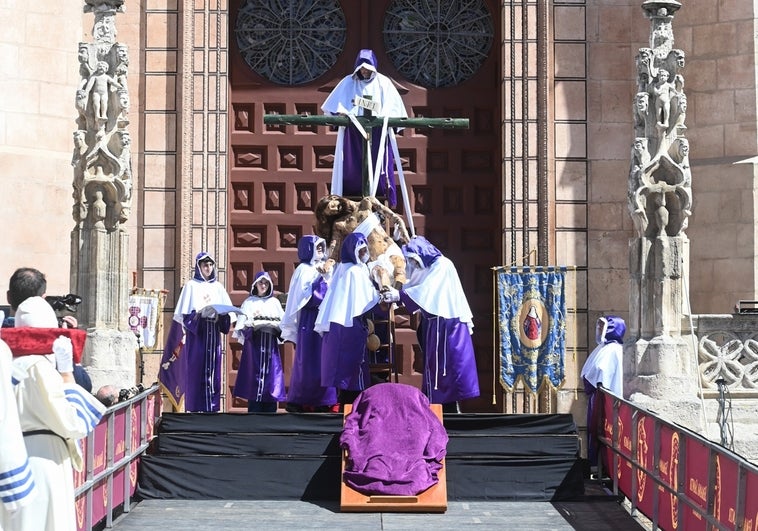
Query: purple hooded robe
(434, 290)
(260, 377)
(603, 367)
(377, 87)
(190, 369)
(342, 320)
(305, 382)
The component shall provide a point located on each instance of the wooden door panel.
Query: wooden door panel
(278, 173)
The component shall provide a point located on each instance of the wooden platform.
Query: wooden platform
(432, 500)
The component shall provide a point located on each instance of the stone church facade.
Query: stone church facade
(561, 86)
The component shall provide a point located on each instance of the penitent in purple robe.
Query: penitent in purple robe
(305, 383)
(342, 319)
(260, 378)
(395, 443)
(347, 178)
(203, 352)
(603, 367)
(435, 291)
(190, 370)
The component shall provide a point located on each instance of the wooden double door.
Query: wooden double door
(278, 173)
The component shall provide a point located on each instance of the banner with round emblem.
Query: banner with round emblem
(531, 306)
(145, 307)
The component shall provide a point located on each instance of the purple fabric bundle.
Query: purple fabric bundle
(395, 443)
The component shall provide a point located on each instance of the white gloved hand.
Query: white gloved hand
(391, 295)
(64, 354)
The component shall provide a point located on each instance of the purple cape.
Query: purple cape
(395, 443)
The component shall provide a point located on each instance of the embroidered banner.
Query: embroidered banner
(144, 309)
(532, 316)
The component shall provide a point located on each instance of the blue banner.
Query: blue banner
(532, 322)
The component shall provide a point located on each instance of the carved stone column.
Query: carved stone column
(659, 361)
(103, 183)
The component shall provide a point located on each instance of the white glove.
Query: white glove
(391, 295)
(64, 354)
(209, 312)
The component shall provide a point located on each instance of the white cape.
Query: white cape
(439, 292)
(604, 365)
(350, 295)
(300, 293)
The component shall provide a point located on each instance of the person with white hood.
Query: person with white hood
(603, 368)
(54, 413)
(367, 83)
(307, 290)
(342, 321)
(434, 290)
(260, 377)
(190, 370)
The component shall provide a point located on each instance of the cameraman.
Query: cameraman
(27, 282)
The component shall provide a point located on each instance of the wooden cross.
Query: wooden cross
(366, 123)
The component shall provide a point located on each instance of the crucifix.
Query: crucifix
(364, 124)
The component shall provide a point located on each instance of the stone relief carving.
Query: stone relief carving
(659, 192)
(102, 145)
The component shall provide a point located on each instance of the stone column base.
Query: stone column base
(110, 358)
(662, 368)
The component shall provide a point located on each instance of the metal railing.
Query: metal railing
(108, 478)
(675, 477)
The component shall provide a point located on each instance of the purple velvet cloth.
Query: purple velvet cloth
(305, 383)
(173, 370)
(260, 377)
(395, 443)
(344, 356)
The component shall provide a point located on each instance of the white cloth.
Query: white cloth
(35, 312)
(340, 101)
(350, 294)
(17, 487)
(197, 295)
(255, 308)
(299, 294)
(438, 290)
(605, 366)
(45, 402)
(379, 87)
(368, 225)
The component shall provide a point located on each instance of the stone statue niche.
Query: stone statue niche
(659, 193)
(102, 193)
(102, 145)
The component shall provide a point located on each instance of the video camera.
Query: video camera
(64, 302)
(126, 394)
(64, 305)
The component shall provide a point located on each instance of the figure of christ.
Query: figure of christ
(337, 216)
